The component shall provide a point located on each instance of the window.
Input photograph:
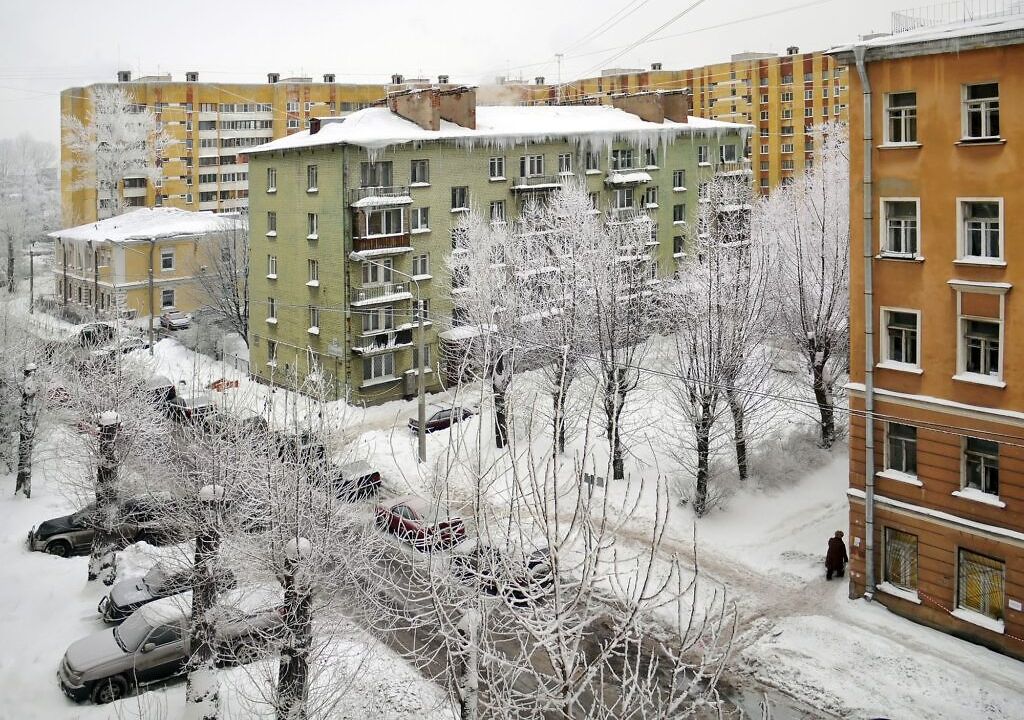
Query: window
(981, 229)
(901, 448)
(419, 172)
(678, 245)
(416, 357)
(377, 273)
(764, 149)
(981, 346)
(379, 366)
(679, 179)
(271, 309)
(272, 266)
(293, 124)
(166, 260)
(379, 319)
(651, 196)
(808, 112)
(764, 116)
(703, 155)
(679, 213)
(981, 111)
(651, 157)
(166, 298)
(314, 318)
(460, 198)
(901, 337)
(498, 211)
(420, 310)
(593, 160)
(765, 165)
(271, 179)
(808, 95)
(419, 219)
(271, 222)
(313, 267)
(824, 92)
(899, 227)
(164, 635)
(384, 222)
(787, 79)
(980, 584)
(312, 226)
(727, 153)
(531, 165)
(787, 130)
(565, 164)
(787, 147)
(764, 82)
(421, 265)
(595, 200)
(375, 174)
(787, 97)
(900, 559)
(311, 178)
(764, 132)
(622, 159)
(764, 98)
(292, 106)
(981, 465)
(901, 118)
(623, 198)
(496, 168)
(787, 163)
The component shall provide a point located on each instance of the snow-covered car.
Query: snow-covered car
(128, 595)
(161, 390)
(425, 525)
(512, 573)
(195, 408)
(108, 351)
(173, 319)
(441, 418)
(154, 643)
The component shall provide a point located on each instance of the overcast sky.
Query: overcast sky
(53, 44)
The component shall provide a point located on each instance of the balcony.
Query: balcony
(375, 294)
(383, 342)
(733, 167)
(627, 176)
(534, 183)
(622, 216)
(379, 196)
(382, 244)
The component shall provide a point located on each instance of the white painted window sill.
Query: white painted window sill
(313, 236)
(976, 495)
(460, 210)
(593, 171)
(419, 184)
(272, 363)
(678, 222)
(899, 256)
(272, 233)
(419, 231)
(679, 189)
(651, 206)
(271, 321)
(416, 371)
(899, 476)
(498, 178)
(679, 255)
(313, 284)
(422, 277)
(271, 276)
(652, 167)
(976, 618)
(704, 164)
(900, 367)
(981, 262)
(271, 191)
(979, 379)
(890, 589)
(566, 173)
(379, 381)
(898, 146)
(313, 330)
(968, 141)
(312, 190)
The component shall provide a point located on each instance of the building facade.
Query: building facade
(392, 182)
(937, 325)
(784, 97)
(214, 124)
(141, 262)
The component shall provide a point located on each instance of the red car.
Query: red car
(426, 525)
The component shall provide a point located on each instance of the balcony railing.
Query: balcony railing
(394, 194)
(386, 292)
(537, 182)
(399, 243)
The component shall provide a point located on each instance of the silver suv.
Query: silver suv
(153, 644)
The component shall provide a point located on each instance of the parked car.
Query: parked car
(110, 350)
(516, 575)
(128, 595)
(194, 408)
(148, 518)
(95, 334)
(427, 526)
(161, 390)
(356, 480)
(231, 426)
(174, 319)
(441, 418)
(153, 643)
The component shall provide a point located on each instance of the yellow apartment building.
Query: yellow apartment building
(937, 325)
(141, 262)
(783, 96)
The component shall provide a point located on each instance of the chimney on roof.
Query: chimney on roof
(656, 107)
(458, 106)
(539, 79)
(442, 79)
(192, 76)
(792, 50)
(314, 125)
(397, 79)
(124, 76)
(273, 77)
(422, 108)
(328, 77)
(655, 66)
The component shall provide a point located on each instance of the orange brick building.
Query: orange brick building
(937, 326)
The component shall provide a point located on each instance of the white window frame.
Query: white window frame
(999, 289)
(272, 267)
(764, 149)
(382, 317)
(704, 155)
(385, 212)
(891, 363)
(380, 272)
(986, 106)
(883, 229)
(983, 619)
(271, 310)
(497, 212)
(533, 165)
(651, 196)
(167, 253)
(887, 455)
(313, 270)
(379, 367)
(423, 164)
(163, 298)
(722, 153)
(496, 167)
(314, 319)
(905, 114)
(961, 233)
(312, 177)
(419, 220)
(423, 260)
(681, 176)
(565, 163)
(312, 226)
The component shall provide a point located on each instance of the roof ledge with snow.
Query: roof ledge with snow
(153, 224)
(986, 32)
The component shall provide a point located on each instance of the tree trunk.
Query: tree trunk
(500, 419)
(703, 431)
(26, 433)
(293, 673)
(825, 409)
(558, 401)
(202, 697)
(469, 680)
(10, 264)
(103, 558)
(739, 432)
(614, 399)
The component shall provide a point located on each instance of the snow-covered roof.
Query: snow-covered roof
(619, 178)
(942, 38)
(147, 223)
(496, 125)
(381, 200)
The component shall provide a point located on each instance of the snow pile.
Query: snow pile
(153, 223)
(378, 200)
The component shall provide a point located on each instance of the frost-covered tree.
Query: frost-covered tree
(808, 225)
(28, 197)
(118, 139)
(224, 277)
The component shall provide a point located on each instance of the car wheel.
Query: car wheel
(244, 653)
(60, 548)
(109, 689)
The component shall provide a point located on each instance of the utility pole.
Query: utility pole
(558, 57)
(32, 277)
(152, 245)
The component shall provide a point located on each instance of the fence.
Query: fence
(953, 12)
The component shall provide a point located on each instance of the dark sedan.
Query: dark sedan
(426, 526)
(518, 576)
(442, 418)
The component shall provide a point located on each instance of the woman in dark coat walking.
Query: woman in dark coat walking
(836, 557)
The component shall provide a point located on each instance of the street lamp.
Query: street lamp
(421, 369)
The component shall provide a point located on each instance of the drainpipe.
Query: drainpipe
(152, 308)
(869, 338)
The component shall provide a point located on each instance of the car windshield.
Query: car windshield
(132, 632)
(155, 579)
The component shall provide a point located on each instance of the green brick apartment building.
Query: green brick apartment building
(391, 182)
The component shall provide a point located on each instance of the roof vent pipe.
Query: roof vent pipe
(273, 77)
(792, 50)
(397, 79)
(124, 75)
(192, 76)
(655, 66)
(329, 77)
(539, 79)
(442, 79)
